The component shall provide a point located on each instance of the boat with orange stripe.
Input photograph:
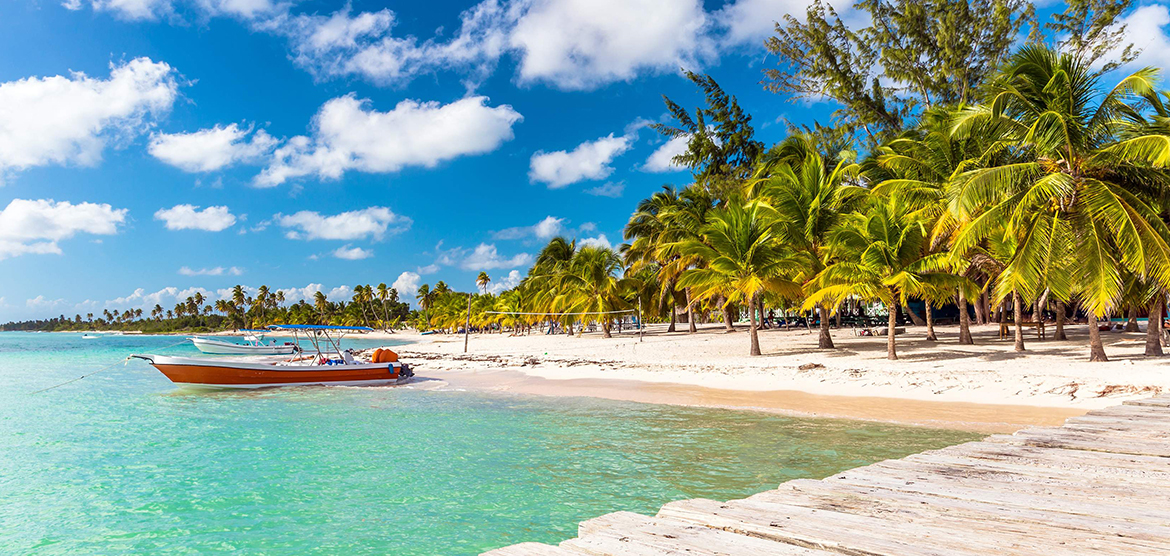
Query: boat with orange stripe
(339, 367)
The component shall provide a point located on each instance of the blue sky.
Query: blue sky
(152, 147)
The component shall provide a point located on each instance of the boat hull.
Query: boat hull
(239, 374)
(215, 347)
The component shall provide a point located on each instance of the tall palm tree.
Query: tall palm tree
(425, 296)
(810, 198)
(321, 303)
(591, 285)
(648, 230)
(744, 258)
(878, 256)
(1077, 191)
(482, 281)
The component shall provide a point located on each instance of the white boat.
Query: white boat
(318, 368)
(253, 345)
(89, 336)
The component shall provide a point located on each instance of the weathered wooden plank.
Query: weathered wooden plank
(657, 538)
(531, 549)
(1160, 401)
(1058, 527)
(1058, 457)
(611, 520)
(1084, 441)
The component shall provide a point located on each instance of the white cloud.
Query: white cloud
(406, 284)
(486, 257)
(589, 161)
(135, 10)
(348, 135)
(752, 21)
(208, 150)
(609, 189)
(69, 120)
(35, 226)
(581, 44)
(662, 159)
(216, 271)
(352, 253)
(71, 5)
(508, 282)
(342, 44)
(428, 269)
(599, 241)
(1145, 29)
(545, 229)
(41, 303)
(189, 217)
(166, 297)
(357, 224)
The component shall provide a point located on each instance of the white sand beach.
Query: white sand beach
(987, 386)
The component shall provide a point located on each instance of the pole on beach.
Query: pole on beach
(467, 327)
(641, 323)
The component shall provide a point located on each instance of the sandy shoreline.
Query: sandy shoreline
(986, 387)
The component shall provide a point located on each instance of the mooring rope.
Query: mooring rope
(106, 368)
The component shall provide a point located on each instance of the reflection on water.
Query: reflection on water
(124, 463)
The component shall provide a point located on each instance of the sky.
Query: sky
(153, 148)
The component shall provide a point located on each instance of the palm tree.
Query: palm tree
(1076, 192)
(482, 281)
(424, 297)
(744, 259)
(810, 199)
(321, 303)
(383, 295)
(591, 285)
(879, 256)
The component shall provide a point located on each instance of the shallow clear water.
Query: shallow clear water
(125, 463)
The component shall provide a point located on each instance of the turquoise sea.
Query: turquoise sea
(125, 463)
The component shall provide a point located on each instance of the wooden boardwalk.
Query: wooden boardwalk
(1099, 484)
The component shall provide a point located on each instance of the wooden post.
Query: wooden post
(467, 327)
(641, 322)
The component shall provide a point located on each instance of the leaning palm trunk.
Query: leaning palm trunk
(914, 318)
(1019, 316)
(728, 322)
(690, 313)
(1154, 327)
(605, 328)
(825, 341)
(964, 320)
(673, 316)
(891, 350)
(930, 337)
(1096, 349)
(1131, 324)
(1059, 335)
(753, 329)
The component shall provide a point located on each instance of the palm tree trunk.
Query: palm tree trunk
(728, 322)
(1154, 327)
(753, 329)
(1019, 309)
(981, 308)
(930, 337)
(1096, 349)
(605, 329)
(673, 315)
(1131, 324)
(690, 313)
(825, 341)
(917, 320)
(964, 320)
(1059, 335)
(891, 350)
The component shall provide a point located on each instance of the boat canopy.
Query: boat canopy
(318, 327)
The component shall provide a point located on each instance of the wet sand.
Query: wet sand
(988, 418)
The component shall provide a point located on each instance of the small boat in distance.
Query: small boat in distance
(88, 336)
(253, 345)
(330, 365)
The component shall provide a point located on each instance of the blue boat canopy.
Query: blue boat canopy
(317, 327)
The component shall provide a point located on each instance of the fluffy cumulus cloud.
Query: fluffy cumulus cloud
(1145, 28)
(580, 44)
(752, 21)
(589, 161)
(166, 297)
(155, 9)
(372, 222)
(35, 226)
(352, 253)
(208, 150)
(545, 229)
(599, 241)
(191, 217)
(486, 257)
(406, 284)
(662, 159)
(70, 120)
(349, 135)
(213, 271)
(506, 283)
(363, 44)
